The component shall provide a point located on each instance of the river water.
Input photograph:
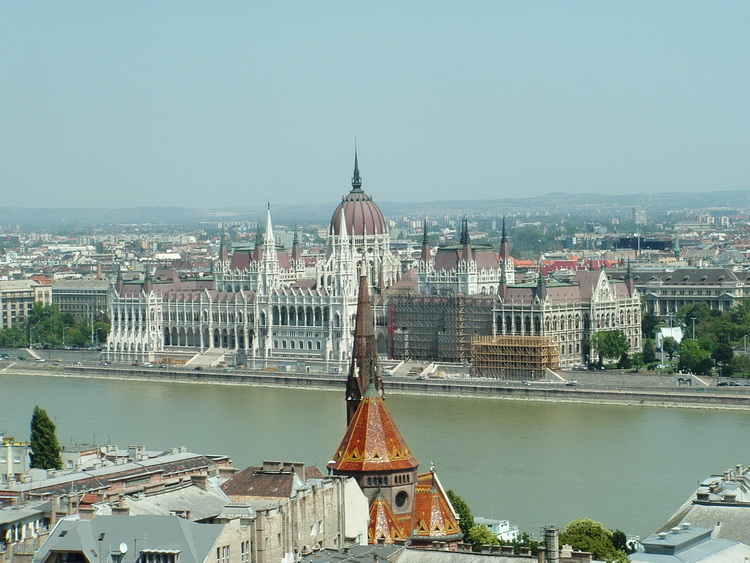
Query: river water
(533, 463)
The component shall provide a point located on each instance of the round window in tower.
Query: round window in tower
(401, 498)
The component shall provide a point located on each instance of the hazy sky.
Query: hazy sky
(215, 104)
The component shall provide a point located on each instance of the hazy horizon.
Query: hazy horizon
(230, 103)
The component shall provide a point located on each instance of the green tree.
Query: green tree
(637, 361)
(465, 518)
(649, 322)
(45, 449)
(589, 535)
(722, 355)
(670, 346)
(740, 365)
(620, 542)
(700, 312)
(609, 344)
(649, 351)
(480, 535)
(694, 358)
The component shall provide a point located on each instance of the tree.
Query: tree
(465, 518)
(649, 322)
(670, 346)
(740, 365)
(694, 358)
(609, 344)
(45, 449)
(589, 535)
(620, 542)
(723, 355)
(480, 535)
(649, 352)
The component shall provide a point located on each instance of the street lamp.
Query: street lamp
(693, 319)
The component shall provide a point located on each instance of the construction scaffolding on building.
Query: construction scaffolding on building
(437, 327)
(514, 356)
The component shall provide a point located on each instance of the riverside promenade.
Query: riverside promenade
(590, 386)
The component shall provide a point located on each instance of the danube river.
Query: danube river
(533, 463)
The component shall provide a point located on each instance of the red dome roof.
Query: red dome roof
(361, 215)
(360, 212)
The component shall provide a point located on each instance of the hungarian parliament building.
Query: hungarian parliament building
(262, 305)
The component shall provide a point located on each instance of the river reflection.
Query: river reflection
(533, 463)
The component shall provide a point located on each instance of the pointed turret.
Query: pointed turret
(356, 178)
(426, 254)
(119, 282)
(296, 250)
(466, 254)
(504, 251)
(541, 284)
(629, 281)
(223, 248)
(365, 365)
(147, 283)
(502, 287)
(343, 231)
(269, 240)
(258, 250)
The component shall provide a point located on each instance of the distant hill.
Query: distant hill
(66, 220)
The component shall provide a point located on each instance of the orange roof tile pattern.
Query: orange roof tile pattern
(433, 514)
(383, 525)
(373, 442)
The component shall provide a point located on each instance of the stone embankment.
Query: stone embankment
(652, 390)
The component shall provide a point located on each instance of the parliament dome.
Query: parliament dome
(361, 214)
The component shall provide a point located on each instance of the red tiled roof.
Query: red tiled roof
(373, 442)
(383, 525)
(434, 517)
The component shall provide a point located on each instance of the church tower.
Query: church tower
(364, 366)
(404, 506)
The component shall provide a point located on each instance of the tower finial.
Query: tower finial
(356, 178)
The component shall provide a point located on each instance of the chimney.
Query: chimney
(542, 555)
(121, 509)
(86, 512)
(552, 544)
(200, 481)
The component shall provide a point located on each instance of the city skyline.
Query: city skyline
(184, 105)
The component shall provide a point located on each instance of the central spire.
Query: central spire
(356, 178)
(365, 367)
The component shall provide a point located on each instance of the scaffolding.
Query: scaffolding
(437, 327)
(514, 356)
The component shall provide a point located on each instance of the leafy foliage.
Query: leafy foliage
(44, 445)
(46, 326)
(589, 535)
(480, 535)
(649, 324)
(609, 344)
(465, 518)
(649, 351)
(670, 346)
(723, 355)
(694, 358)
(740, 365)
